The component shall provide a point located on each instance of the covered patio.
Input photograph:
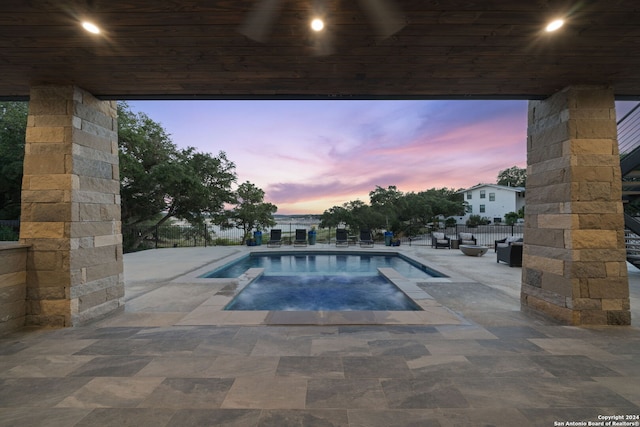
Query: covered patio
(565, 348)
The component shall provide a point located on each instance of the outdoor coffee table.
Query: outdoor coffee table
(474, 250)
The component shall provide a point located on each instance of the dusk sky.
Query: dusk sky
(311, 155)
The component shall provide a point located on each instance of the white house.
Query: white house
(492, 201)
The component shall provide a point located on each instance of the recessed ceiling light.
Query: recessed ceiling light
(92, 28)
(554, 25)
(317, 24)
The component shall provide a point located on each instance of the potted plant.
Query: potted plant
(312, 235)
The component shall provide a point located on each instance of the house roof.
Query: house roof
(195, 49)
(499, 187)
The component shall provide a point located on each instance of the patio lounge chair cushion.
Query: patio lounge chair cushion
(439, 240)
(503, 243)
(275, 238)
(466, 239)
(366, 239)
(342, 237)
(301, 237)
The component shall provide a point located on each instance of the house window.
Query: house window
(482, 208)
(468, 196)
(492, 197)
(469, 208)
(482, 194)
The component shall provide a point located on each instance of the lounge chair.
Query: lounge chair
(506, 241)
(275, 239)
(366, 239)
(439, 240)
(511, 253)
(342, 237)
(301, 237)
(467, 239)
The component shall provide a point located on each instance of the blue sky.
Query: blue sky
(311, 155)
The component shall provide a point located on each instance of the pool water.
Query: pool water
(318, 263)
(322, 281)
(322, 293)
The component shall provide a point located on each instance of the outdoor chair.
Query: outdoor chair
(511, 253)
(342, 237)
(301, 237)
(275, 239)
(467, 239)
(366, 239)
(505, 242)
(439, 240)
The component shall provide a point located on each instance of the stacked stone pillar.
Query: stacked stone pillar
(574, 265)
(71, 208)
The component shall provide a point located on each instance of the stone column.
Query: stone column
(71, 208)
(574, 264)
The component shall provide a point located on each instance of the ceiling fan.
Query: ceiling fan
(384, 16)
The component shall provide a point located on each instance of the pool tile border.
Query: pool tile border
(211, 312)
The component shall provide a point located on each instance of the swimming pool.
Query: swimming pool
(323, 281)
(322, 293)
(310, 263)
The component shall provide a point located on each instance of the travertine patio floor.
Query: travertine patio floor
(168, 361)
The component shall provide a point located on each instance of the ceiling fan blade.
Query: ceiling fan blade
(260, 20)
(384, 15)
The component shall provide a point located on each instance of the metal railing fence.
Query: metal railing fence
(168, 236)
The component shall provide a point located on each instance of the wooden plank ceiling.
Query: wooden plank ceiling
(189, 49)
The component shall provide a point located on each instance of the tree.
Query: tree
(13, 126)
(159, 181)
(388, 203)
(511, 218)
(513, 177)
(251, 211)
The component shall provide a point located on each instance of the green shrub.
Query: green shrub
(8, 234)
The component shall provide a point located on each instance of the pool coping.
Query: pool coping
(211, 312)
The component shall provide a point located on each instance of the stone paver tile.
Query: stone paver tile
(228, 346)
(573, 366)
(205, 315)
(37, 392)
(282, 346)
(267, 393)
(113, 347)
(51, 347)
(407, 348)
(51, 417)
(506, 366)
(345, 394)
(441, 366)
(112, 392)
(464, 332)
(180, 393)
(423, 393)
(231, 366)
(579, 392)
(393, 417)
(310, 367)
(126, 417)
(47, 366)
(112, 366)
(299, 417)
(177, 367)
(626, 387)
(215, 418)
(143, 319)
(576, 347)
(340, 346)
(376, 367)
